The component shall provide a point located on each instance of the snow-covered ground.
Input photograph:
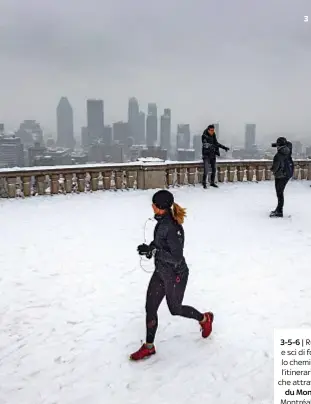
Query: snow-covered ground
(72, 296)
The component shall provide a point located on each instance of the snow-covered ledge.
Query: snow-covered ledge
(31, 181)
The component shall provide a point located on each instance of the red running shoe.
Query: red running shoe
(206, 326)
(143, 353)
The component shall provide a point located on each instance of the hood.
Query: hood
(285, 150)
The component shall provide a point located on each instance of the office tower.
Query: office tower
(152, 125)
(141, 129)
(197, 146)
(250, 136)
(11, 152)
(1, 129)
(216, 129)
(183, 136)
(64, 114)
(120, 132)
(133, 118)
(95, 119)
(165, 130)
(107, 136)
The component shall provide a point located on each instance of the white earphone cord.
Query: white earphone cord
(145, 241)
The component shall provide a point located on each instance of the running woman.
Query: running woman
(171, 271)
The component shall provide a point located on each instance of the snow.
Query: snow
(72, 296)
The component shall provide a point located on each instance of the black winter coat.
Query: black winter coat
(284, 153)
(210, 145)
(168, 240)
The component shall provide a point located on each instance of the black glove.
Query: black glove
(143, 249)
(227, 149)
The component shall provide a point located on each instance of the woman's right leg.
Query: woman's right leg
(155, 295)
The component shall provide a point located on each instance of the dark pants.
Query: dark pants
(209, 166)
(280, 184)
(173, 288)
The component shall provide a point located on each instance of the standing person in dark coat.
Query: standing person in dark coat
(210, 149)
(171, 271)
(283, 169)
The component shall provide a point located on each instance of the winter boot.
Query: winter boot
(276, 213)
(143, 353)
(206, 326)
(214, 185)
(204, 185)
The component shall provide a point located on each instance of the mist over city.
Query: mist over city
(229, 63)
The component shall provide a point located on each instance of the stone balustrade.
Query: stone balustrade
(35, 181)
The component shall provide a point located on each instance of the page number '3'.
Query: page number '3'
(306, 18)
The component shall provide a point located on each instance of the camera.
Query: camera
(273, 145)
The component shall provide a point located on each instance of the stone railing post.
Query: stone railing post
(54, 184)
(249, 173)
(221, 173)
(170, 173)
(130, 178)
(94, 180)
(259, 172)
(268, 172)
(40, 182)
(240, 173)
(297, 171)
(26, 185)
(68, 183)
(11, 182)
(309, 170)
(81, 182)
(118, 179)
(181, 176)
(230, 173)
(107, 180)
(191, 175)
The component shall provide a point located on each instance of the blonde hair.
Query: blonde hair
(178, 213)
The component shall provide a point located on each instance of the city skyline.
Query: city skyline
(209, 62)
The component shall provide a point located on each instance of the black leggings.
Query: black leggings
(173, 288)
(209, 164)
(280, 184)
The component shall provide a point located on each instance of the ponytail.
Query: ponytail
(178, 213)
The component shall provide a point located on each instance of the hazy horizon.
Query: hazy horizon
(234, 62)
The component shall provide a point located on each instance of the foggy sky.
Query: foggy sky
(234, 61)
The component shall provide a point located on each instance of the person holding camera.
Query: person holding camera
(283, 169)
(210, 149)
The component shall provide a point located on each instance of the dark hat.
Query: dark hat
(281, 141)
(163, 199)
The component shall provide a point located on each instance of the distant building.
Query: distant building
(154, 151)
(152, 125)
(197, 146)
(95, 119)
(183, 136)
(120, 132)
(1, 129)
(30, 132)
(165, 129)
(11, 152)
(133, 118)
(65, 133)
(141, 129)
(107, 137)
(185, 155)
(34, 152)
(250, 136)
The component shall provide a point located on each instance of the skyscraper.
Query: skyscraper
(152, 125)
(133, 117)
(183, 136)
(250, 136)
(65, 136)
(217, 129)
(165, 129)
(95, 119)
(141, 130)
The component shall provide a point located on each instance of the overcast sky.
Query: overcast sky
(235, 61)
